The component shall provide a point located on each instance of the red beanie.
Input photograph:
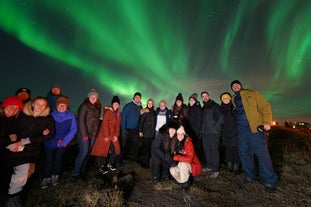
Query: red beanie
(13, 101)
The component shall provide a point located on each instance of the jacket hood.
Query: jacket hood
(29, 111)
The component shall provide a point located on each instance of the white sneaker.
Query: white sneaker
(54, 180)
(206, 169)
(214, 175)
(110, 167)
(45, 183)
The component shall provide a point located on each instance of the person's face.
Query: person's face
(55, 91)
(162, 106)
(23, 96)
(205, 97)
(191, 101)
(178, 103)
(137, 99)
(180, 136)
(11, 110)
(226, 100)
(39, 106)
(115, 106)
(150, 104)
(93, 99)
(172, 132)
(61, 107)
(236, 87)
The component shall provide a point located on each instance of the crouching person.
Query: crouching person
(188, 163)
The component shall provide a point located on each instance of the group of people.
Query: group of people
(165, 140)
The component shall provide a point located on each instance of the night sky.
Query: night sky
(160, 48)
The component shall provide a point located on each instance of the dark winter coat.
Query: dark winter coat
(6, 128)
(163, 146)
(195, 118)
(229, 129)
(32, 127)
(147, 122)
(66, 128)
(88, 119)
(212, 118)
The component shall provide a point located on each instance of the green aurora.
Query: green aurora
(168, 46)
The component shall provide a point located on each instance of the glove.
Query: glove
(85, 138)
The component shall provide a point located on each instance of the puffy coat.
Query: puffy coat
(187, 154)
(32, 127)
(229, 129)
(147, 122)
(212, 118)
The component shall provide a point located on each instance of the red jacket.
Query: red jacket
(109, 128)
(188, 155)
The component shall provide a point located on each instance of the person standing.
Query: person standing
(212, 121)
(253, 111)
(130, 127)
(188, 165)
(53, 94)
(147, 131)
(66, 128)
(24, 94)
(230, 133)
(108, 138)
(34, 126)
(88, 124)
(180, 110)
(195, 122)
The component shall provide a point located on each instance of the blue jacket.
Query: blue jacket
(130, 116)
(65, 128)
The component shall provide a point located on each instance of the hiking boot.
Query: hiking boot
(54, 180)
(110, 167)
(45, 183)
(214, 175)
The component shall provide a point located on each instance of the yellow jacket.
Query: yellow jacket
(257, 109)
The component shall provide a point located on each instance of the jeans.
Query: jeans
(85, 147)
(53, 161)
(250, 144)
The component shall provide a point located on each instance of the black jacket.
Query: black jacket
(229, 129)
(212, 118)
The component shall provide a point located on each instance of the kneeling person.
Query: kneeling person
(188, 162)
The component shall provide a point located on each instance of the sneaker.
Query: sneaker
(214, 175)
(45, 183)
(110, 167)
(14, 201)
(54, 180)
(270, 189)
(206, 169)
(103, 170)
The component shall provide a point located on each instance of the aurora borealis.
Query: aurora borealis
(159, 48)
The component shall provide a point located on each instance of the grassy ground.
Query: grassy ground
(290, 150)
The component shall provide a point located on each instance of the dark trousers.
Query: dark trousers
(53, 161)
(160, 168)
(130, 143)
(146, 150)
(250, 144)
(211, 150)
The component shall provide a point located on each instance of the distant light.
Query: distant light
(274, 123)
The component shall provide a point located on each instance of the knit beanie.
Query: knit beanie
(62, 100)
(13, 101)
(92, 92)
(173, 124)
(225, 95)
(26, 90)
(194, 96)
(179, 97)
(115, 99)
(234, 82)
